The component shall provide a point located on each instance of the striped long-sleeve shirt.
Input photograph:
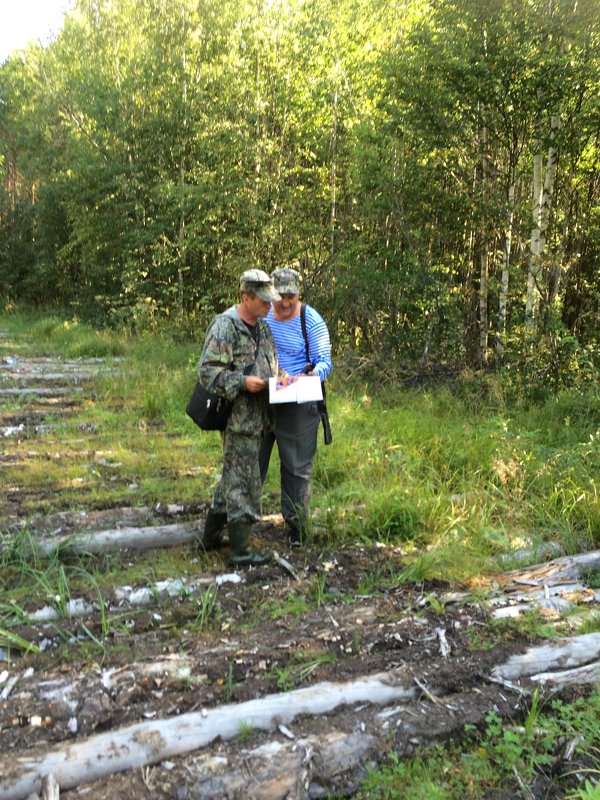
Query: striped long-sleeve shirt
(290, 343)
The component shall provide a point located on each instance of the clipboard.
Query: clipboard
(306, 389)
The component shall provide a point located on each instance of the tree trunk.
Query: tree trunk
(558, 571)
(182, 168)
(484, 259)
(334, 142)
(575, 652)
(543, 188)
(506, 255)
(151, 742)
(113, 540)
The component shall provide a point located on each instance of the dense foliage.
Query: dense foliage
(432, 167)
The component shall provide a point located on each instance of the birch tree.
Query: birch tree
(506, 263)
(544, 177)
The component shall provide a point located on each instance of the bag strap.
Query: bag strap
(304, 333)
(257, 348)
(249, 367)
(321, 404)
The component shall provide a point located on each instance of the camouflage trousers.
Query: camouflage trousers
(239, 491)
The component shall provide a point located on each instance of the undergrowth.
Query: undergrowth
(553, 748)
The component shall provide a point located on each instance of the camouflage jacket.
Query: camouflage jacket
(229, 350)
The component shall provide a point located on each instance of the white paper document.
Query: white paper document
(304, 390)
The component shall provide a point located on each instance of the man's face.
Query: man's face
(287, 307)
(256, 307)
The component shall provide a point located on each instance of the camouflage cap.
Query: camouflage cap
(286, 280)
(259, 283)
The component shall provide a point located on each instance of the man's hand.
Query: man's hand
(255, 384)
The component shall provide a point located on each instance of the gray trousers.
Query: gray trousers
(296, 428)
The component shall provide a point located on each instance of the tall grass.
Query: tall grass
(433, 469)
(461, 469)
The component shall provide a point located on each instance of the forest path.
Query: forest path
(285, 681)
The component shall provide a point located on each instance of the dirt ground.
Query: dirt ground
(365, 635)
(160, 662)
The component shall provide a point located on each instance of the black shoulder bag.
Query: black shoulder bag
(321, 404)
(209, 411)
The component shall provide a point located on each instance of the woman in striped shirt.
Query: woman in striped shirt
(296, 424)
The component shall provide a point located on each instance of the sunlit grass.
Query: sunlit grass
(429, 471)
(417, 470)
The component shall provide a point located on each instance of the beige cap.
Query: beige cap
(259, 283)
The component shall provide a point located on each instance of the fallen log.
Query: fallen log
(558, 655)
(553, 606)
(39, 362)
(541, 552)
(124, 596)
(530, 593)
(40, 391)
(556, 587)
(70, 522)
(590, 673)
(331, 762)
(117, 539)
(151, 742)
(311, 766)
(565, 569)
(66, 377)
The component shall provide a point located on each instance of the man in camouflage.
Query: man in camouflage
(238, 358)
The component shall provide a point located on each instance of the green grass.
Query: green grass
(294, 674)
(431, 471)
(452, 479)
(208, 609)
(414, 469)
(246, 731)
(291, 606)
(489, 760)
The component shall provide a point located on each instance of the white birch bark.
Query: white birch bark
(334, 138)
(182, 165)
(506, 255)
(543, 188)
(484, 261)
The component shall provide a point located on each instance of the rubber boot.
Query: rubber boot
(212, 536)
(239, 541)
(293, 533)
